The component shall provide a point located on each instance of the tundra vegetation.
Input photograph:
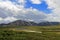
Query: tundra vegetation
(30, 33)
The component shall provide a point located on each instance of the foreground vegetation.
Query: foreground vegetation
(19, 33)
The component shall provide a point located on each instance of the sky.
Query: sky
(29, 10)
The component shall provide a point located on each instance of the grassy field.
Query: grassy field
(30, 33)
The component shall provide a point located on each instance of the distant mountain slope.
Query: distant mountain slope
(29, 23)
(48, 23)
(23, 23)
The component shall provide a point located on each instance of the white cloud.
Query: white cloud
(1, 19)
(10, 19)
(55, 15)
(21, 1)
(10, 11)
(7, 19)
(10, 8)
(36, 1)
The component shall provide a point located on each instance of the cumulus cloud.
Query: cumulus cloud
(21, 1)
(10, 11)
(1, 19)
(55, 15)
(36, 1)
(10, 19)
(7, 20)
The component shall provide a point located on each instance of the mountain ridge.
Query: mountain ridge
(29, 23)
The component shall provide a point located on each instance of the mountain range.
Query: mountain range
(29, 23)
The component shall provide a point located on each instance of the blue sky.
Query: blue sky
(41, 7)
